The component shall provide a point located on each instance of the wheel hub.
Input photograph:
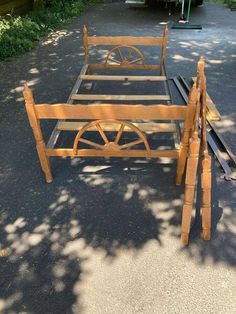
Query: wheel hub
(112, 146)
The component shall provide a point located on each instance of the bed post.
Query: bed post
(163, 53)
(190, 184)
(191, 174)
(206, 159)
(188, 124)
(35, 125)
(86, 46)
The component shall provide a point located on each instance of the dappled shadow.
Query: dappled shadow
(106, 206)
(221, 248)
(49, 232)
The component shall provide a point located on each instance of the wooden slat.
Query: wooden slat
(145, 127)
(212, 112)
(77, 83)
(122, 78)
(108, 111)
(125, 40)
(119, 97)
(105, 153)
(97, 66)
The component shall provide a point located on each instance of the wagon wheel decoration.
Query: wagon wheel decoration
(124, 55)
(110, 145)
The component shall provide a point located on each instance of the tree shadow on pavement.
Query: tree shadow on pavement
(45, 229)
(49, 232)
(105, 206)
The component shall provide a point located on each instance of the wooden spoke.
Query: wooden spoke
(129, 55)
(135, 61)
(125, 56)
(90, 143)
(121, 54)
(131, 144)
(109, 145)
(119, 133)
(103, 135)
(114, 60)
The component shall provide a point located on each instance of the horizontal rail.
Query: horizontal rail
(145, 127)
(108, 111)
(105, 153)
(119, 97)
(124, 40)
(122, 78)
(99, 66)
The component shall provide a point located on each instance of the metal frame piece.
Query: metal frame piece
(215, 140)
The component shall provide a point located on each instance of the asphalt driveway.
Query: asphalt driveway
(104, 236)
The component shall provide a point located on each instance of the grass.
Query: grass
(20, 34)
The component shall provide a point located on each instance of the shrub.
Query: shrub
(20, 34)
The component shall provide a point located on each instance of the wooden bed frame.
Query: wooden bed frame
(134, 118)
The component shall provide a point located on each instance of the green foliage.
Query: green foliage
(20, 34)
(232, 4)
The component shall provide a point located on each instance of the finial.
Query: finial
(28, 95)
(201, 65)
(85, 30)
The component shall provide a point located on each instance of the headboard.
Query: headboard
(125, 52)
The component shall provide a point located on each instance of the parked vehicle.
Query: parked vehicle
(154, 2)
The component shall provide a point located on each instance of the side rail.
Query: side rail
(125, 52)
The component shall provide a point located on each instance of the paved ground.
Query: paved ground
(104, 237)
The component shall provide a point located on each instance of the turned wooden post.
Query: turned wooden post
(188, 125)
(35, 124)
(163, 53)
(206, 197)
(206, 159)
(86, 46)
(190, 183)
